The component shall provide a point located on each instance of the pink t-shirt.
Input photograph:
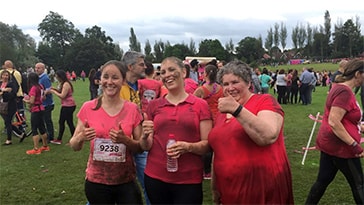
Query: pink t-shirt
(182, 120)
(106, 172)
(340, 96)
(68, 101)
(149, 89)
(36, 91)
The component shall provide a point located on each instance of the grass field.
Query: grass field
(57, 177)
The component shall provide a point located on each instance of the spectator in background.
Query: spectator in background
(47, 102)
(339, 71)
(94, 83)
(306, 78)
(282, 87)
(190, 84)
(265, 81)
(338, 138)
(8, 94)
(68, 104)
(194, 70)
(250, 163)
(113, 122)
(130, 91)
(294, 87)
(37, 114)
(149, 89)
(83, 75)
(220, 64)
(255, 86)
(189, 119)
(210, 91)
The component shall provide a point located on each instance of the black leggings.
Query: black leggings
(66, 115)
(329, 165)
(127, 193)
(165, 193)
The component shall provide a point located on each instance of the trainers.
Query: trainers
(34, 151)
(45, 149)
(56, 141)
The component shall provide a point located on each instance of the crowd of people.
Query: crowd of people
(226, 125)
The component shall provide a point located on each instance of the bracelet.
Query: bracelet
(354, 144)
(237, 111)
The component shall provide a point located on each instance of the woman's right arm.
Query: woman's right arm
(82, 133)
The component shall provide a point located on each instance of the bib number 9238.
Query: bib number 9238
(107, 151)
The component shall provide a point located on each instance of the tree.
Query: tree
(58, 33)
(178, 50)
(209, 47)
(159, 48)
(276, 35)
(134, 44)
(230, 49)
(91, 51)
(16, 46)
(269, 40)
(148, 51)
(192, 47)
(327, 34)
(294, 37)
(249, 50)
(283, 36)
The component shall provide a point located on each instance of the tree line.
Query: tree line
(63, 46)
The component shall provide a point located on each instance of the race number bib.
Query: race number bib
(107, 151)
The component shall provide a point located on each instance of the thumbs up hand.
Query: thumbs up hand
(227, 104)
(118, 135)
(148, 127)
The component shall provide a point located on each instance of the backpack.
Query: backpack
(16, 84)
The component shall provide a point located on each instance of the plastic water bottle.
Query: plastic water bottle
(172, 163)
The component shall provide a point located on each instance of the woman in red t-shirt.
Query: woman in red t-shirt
(185, 118)
(339, 135)
(250, 163)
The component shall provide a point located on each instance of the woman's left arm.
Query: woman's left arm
(263, 128)
(201, 147)
(65, 89)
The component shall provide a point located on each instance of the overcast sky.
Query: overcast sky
(180, 21)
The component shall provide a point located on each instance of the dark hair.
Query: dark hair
(61, 74)
(211, 72)
(149, 70)
(122, 67)
(265, 71)
(33, 80)
(92, 73)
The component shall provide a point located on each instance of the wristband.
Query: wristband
(237, 111)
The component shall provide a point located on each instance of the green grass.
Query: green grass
(57, 177)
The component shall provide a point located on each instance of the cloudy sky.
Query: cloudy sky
(179, 21)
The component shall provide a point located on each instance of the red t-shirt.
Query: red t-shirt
(182, 120)
(212, 99)
(340, 96)
(110, 173)
(245, 172)
(36, 91)
(149, 89)
(190, 85)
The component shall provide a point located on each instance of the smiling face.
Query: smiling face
(111, 80)
(5, 76)
(235, 86)
(172, 75)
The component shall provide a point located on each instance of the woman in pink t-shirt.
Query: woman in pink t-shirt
(113, 127)
(68, 104)
(186, 119)
(34, 99)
